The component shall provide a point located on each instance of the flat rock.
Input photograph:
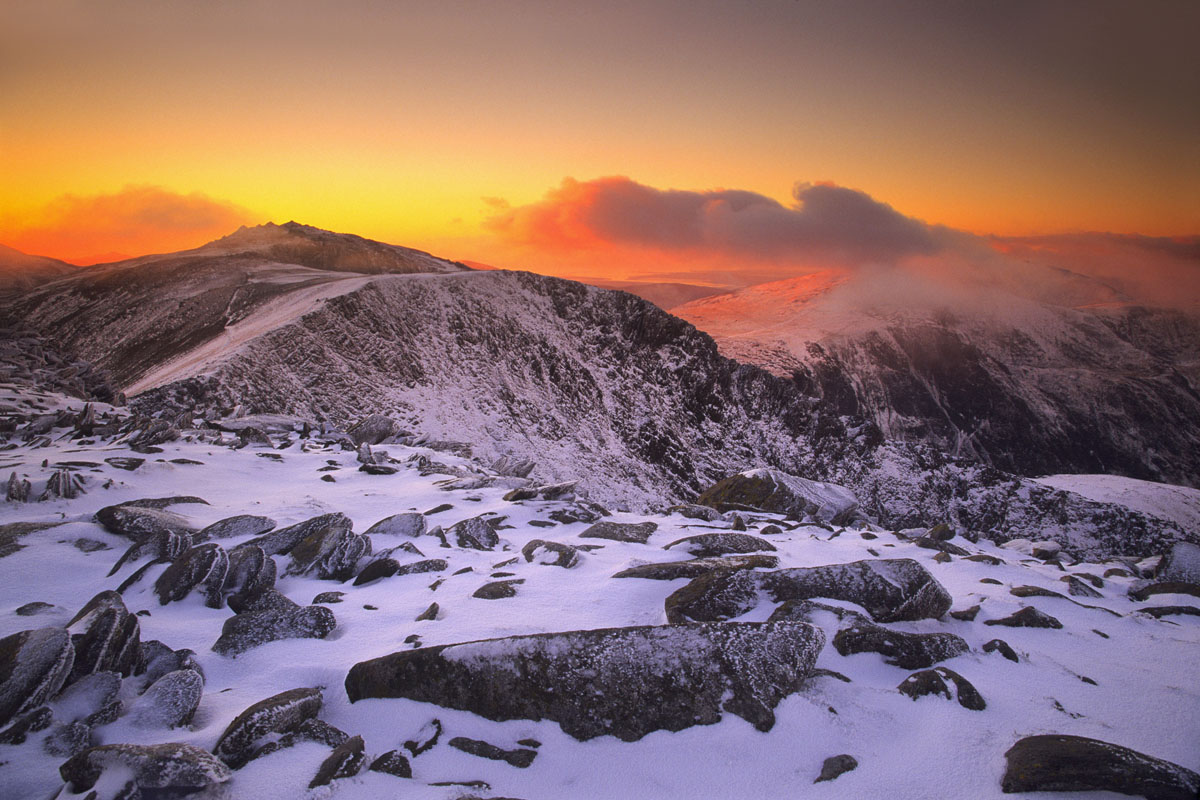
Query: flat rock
(693, 568)
(624, 682)
(410, 523)
(779, 492)
(233, 527)
(278, 714)
(907, 650)
(34, 665)
(636, 532)
(708, 545)
(181, 768)
(891, 590)
(281, 541)
(1059, 763)
(1027, 617)
(519, 757)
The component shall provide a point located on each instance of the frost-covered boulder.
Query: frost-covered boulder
(281, 541)
(106, 637)
(907, 650)
(555, 554)
(173, 769)
(1027, 617)
(1058, 763)
(278, 714)
(233, 527)
(201, 568)
(373, 429)
(1181, 564)
(170, 701)
(33, 667)
(269, 618)
(695, 567)
(410, 523)
(634, 532)
(624, 682)
(329, 553)
(251, 574)
(779, 492)
(475, 533)
(707, 545)
(891, 590)
(137, 522)
(346, 761)
(91, 700)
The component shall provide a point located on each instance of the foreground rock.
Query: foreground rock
(33, 667)
(279, 714)
(907, 650)
(107, 638)
(938, 681)
(891, 590)
(269, 618)
(1056, 763)
(772, 490)
(172, 770)
(624, 682)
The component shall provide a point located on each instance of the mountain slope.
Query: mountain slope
(20, 271)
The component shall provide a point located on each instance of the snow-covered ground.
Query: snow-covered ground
(1143, 690)
(1177, 503)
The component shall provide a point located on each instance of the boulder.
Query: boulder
(891, 590)
(554, 554)
(278, 714)
(694, 511)
(475, 533)
(373, 429)
(160, 659)
(233, 527)
(693, 568)
(1002, 647)
(174, 769)
(170, 701)
(138, 522)
(933, 681)
(393, 762)
(624, 682)
(775, 491)
(269, 618)
(311, 730)
(251, 574)
(92, 700)
(498, 590)
(907, 650)
(345, 761)
(1027, 617)
(387, 567)
(410, 523)
(836, 766)
(708, 545)
(1059, 763)
(636, 532)
(34, 665)
(281, 541)
(329, 553)
(106, 637)
(1181, 564)
(202, 567)
(519, 757)
(161, 546)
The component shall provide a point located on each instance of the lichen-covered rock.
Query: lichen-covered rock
(693, 568)
(709, 545)
(636, 532)
(330, 553)
(278, 714)
(891, 590)
(772, 490)
(1059, 763)
(170, 701)
(106, 637)
(345, 761)
(475, 533)
(180, 768)
(281, 541)
(1027, 617)
(410, 523)
(269, 618)
(34, 665)
(933, 681)
(251, 574)
(907, 650)
(625, 682)
(202, 568)
(520, 757)
(555, 554)
(233, 527)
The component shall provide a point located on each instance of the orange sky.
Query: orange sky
(129, 127)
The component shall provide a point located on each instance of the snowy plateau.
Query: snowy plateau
(297, 514)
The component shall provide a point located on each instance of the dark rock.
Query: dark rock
(638, 532)
(439, 509)
(1035, 591)
(966, 614)
(86, 545)
(428, 737)
(738, 524)
(520, 757)
(373, 429)
(693, 511)
(387, 567)
(202, 567)
(670, 570)
(91, 700)
(345, 761)
(393, 762)
(279, 714)
(1000, 646)
(251, 573)
(708, 545)
(578, 512)
(329, 553)
(1181, 564)
(907, 650)
(33, 721)
(625, 682)
(991, 581)
(174, 769)
(34, 608)
(410, 523)
(836, 766)
(136, 522)
(498, 590)
(1164, 587)
(378, 469)
(933, 681)
(775, 530)
(803, 610)
(929, 543)
(170, 701)
(68, 740)
(772, 490)
(1046, 550)
(17, 490)
(161, 546)
(1059, 763)
(232, 527)
(891, 590)
(160, 659)
(1078, 588)
(281, 541)
(1027, 617)
(1117, 572)
(984, 558)
(429, 613)
(269, 618)
(564, 555)
(1158, 612)
(329, 597)
(106, 637)
(122, 462)
(941, 532)
(475, 533)
(942, 558)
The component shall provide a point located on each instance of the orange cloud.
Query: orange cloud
(134, 221)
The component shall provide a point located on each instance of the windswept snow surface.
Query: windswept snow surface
(1145, 694)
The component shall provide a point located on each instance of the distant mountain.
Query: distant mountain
(591, 384)
(1060, 374)
(19, 271)
(664, 295)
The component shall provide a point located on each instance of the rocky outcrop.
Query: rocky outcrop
(624, 682)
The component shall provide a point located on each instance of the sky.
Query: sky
(615, 139)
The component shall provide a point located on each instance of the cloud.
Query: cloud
(826, 224)
(135, 220)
